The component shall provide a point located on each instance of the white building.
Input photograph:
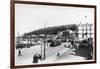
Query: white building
(85, 31)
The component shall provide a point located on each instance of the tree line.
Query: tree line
(52, 30)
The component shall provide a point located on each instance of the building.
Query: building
(85, 31)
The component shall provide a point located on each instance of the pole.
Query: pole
(82, 31)
(86, 29)
(90, 32)
(86, 25)
(18, 39)
(44, 41)
(41, 50)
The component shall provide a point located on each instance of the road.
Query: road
(66, 55)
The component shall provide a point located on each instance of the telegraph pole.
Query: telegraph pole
(44, 41)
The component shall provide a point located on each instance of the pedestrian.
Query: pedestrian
(19, 53)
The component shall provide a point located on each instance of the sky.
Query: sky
(30, 17)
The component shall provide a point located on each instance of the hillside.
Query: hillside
(52, 30)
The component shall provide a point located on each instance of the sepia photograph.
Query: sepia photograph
(51, 34)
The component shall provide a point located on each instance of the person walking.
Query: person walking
(19, 53)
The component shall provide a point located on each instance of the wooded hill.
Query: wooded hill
(52, 30)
